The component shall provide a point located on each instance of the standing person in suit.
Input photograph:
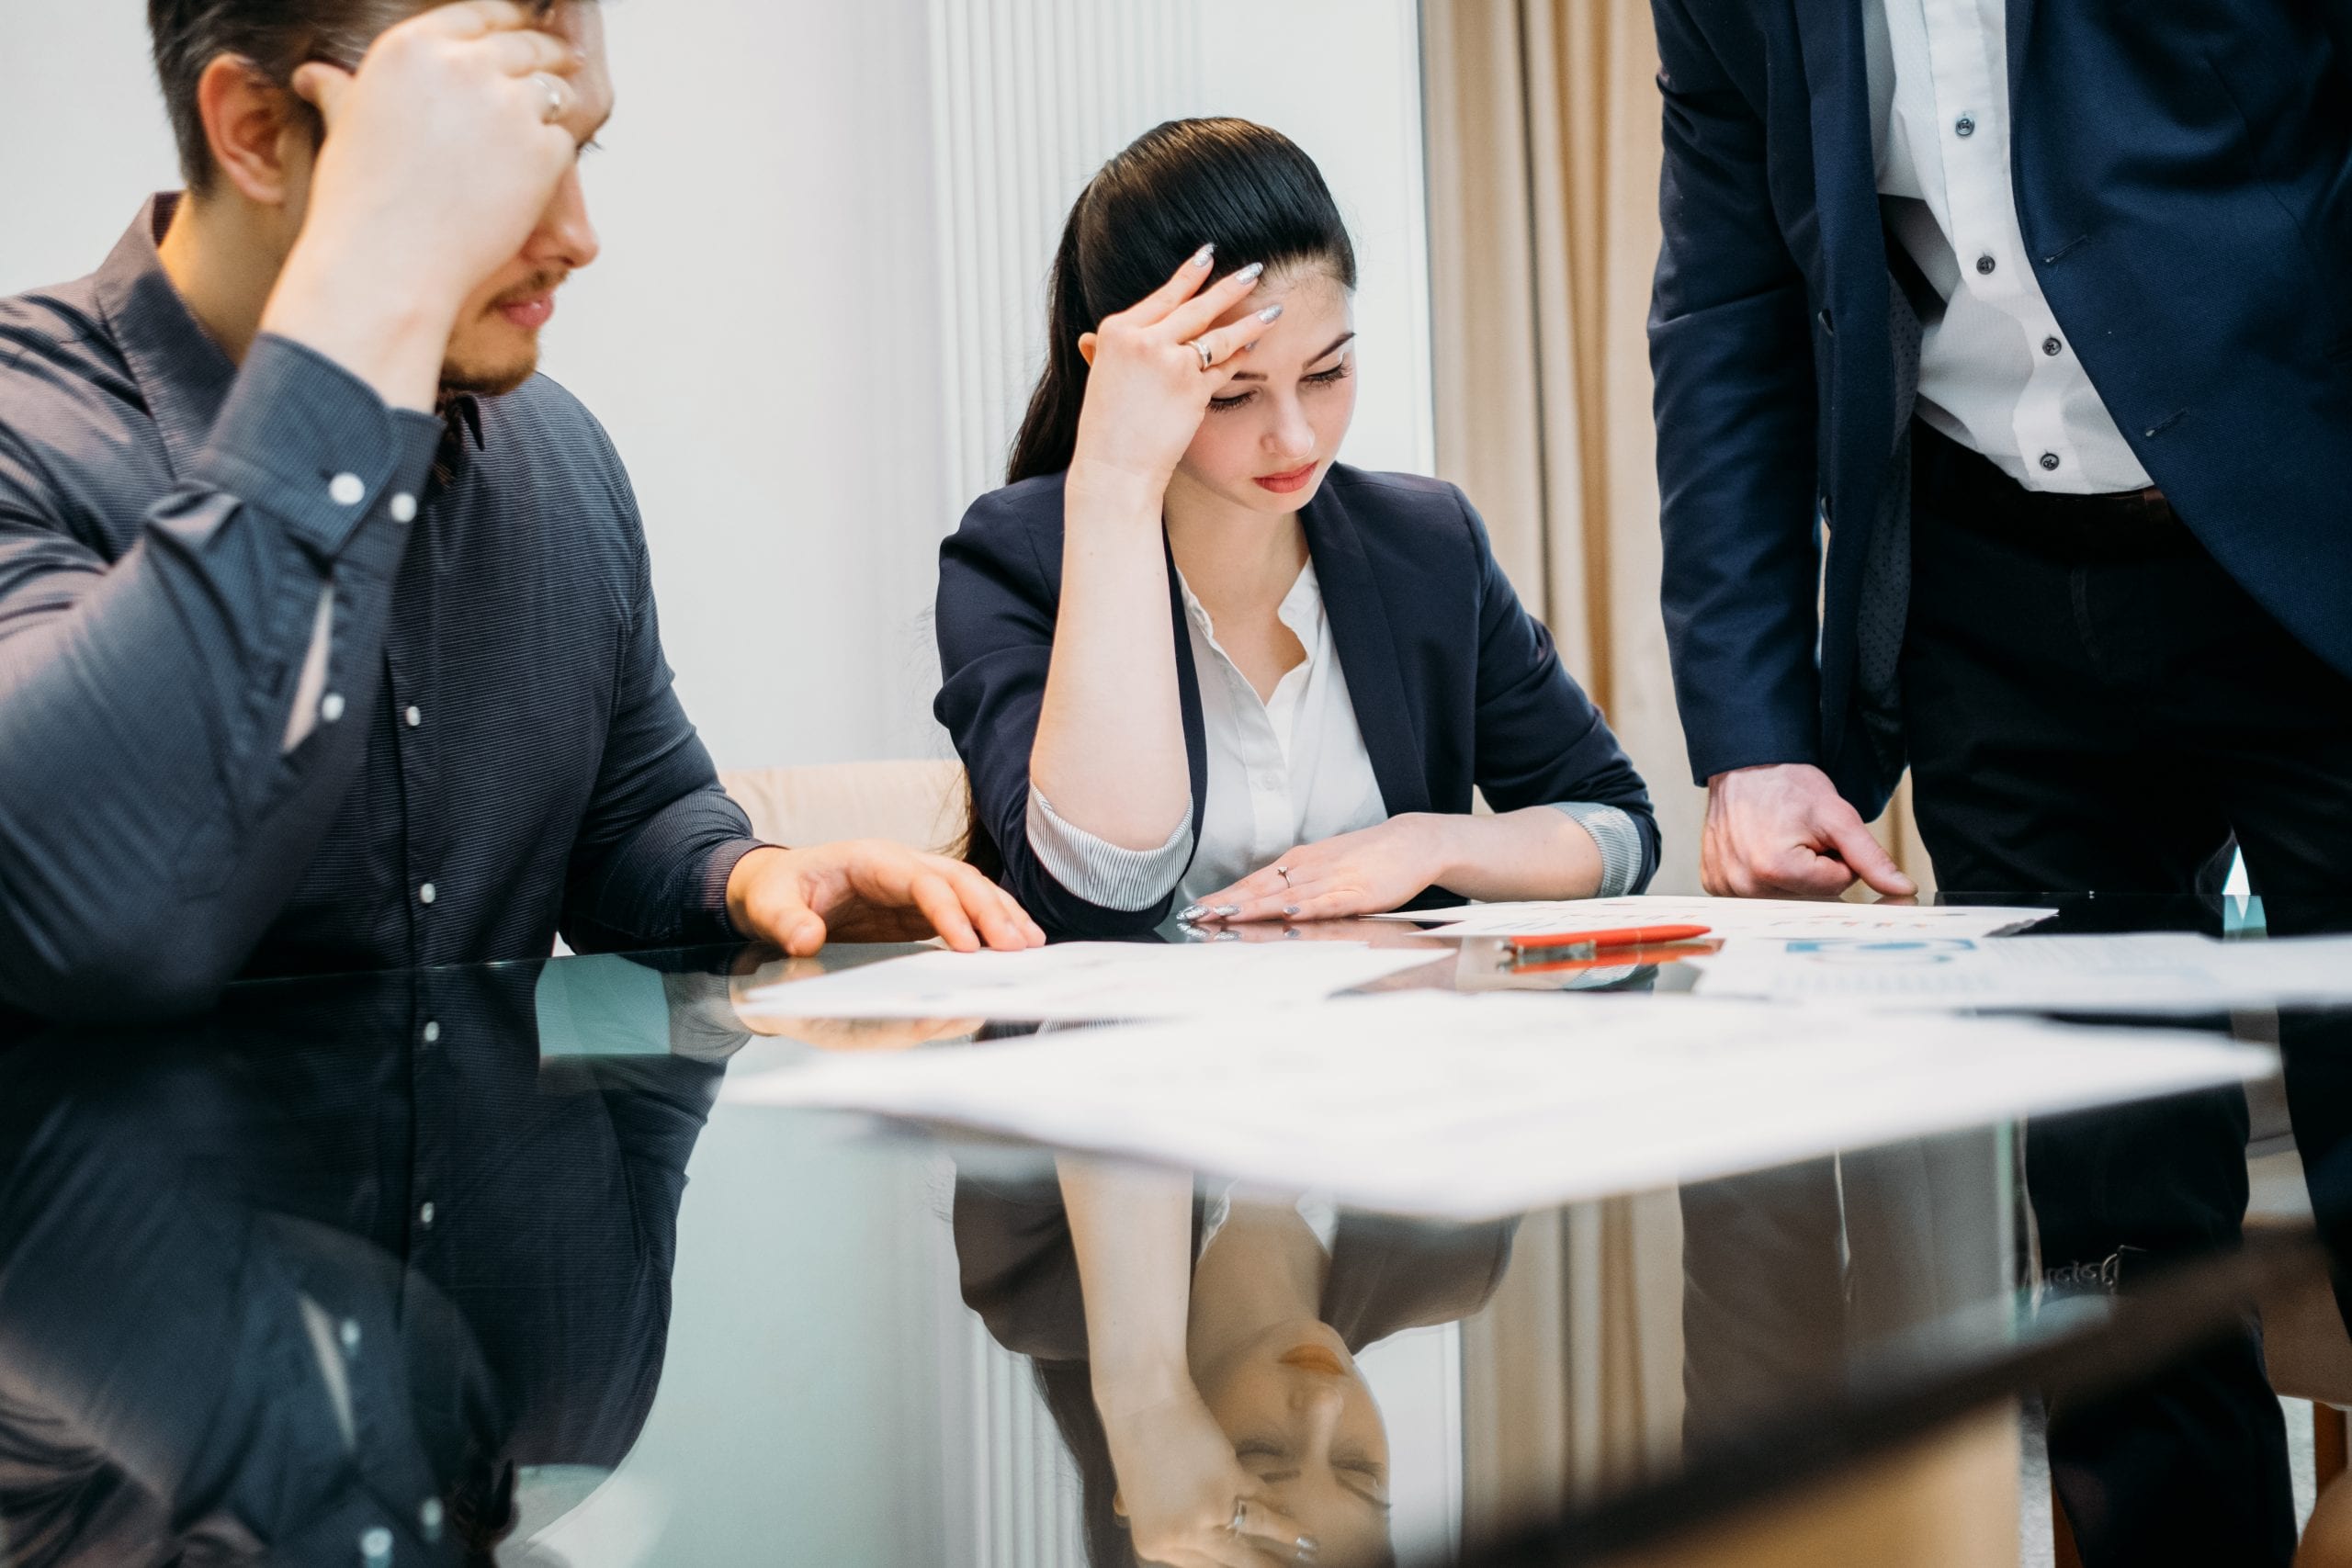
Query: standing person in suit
(1193, 661)
(2044, 313)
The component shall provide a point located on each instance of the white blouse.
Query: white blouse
(1283, 771)
(1995, 373)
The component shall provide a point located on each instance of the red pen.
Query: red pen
(1586, 944)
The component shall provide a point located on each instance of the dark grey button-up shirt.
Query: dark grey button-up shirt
(494, 754)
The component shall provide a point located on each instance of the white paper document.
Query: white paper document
(1723, 917)
(1433, 1103)
(1082, 982)
(2155, 972)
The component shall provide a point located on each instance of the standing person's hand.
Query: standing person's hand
(1784, 831)
(1152, 368)
(442, 152)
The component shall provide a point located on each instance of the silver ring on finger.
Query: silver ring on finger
(1282, 871)
(1240, 1516)
(556, 98)
(1208, 356)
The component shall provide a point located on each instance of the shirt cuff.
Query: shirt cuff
(1619, 841)
(310, 443)
(1100, 871)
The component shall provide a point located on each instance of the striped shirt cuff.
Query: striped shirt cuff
(1100, 871)
(1619, 841)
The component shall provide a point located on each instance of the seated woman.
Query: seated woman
(1191, 661)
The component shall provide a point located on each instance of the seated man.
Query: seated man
(327, 636)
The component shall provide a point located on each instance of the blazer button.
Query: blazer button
(1828, 323)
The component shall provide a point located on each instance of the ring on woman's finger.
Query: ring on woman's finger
(1282, 871)
(1208, 356)
(1240, 1516)
(557, 97)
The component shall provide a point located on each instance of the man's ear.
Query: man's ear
(259, 134)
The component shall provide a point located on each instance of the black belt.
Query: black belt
(1968, 490)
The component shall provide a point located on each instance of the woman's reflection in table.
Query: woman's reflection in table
(1198, 1351)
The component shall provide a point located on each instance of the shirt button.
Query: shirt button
(1985, 264)
(403, 508)
(1965, 126)
(331, 706)
(376, 1547)
(424, 1215)
(432, 1031)
(416, 716)
(2051, 346)
(427, 894)
(347, 490)
(2050, 460)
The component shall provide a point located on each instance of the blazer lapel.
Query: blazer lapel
(1853, 248)
(1367, 645)
(1188, 698)
(2020, 35)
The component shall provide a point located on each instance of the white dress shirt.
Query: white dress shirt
(1283, 771)
(1995, 373)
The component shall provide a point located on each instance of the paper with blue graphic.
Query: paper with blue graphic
(2150, 973)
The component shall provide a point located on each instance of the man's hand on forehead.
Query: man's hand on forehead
(442, 152)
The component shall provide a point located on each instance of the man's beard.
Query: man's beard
(486, 378)
(459, 379)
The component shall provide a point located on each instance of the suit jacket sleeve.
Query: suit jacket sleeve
(995, 619)
(1540, 739)
(1731, 349)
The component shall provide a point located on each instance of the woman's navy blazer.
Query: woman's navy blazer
(1453, 683)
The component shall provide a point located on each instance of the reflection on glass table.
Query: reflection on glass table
(408, 1269)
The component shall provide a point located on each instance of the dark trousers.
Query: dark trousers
(2092, 705)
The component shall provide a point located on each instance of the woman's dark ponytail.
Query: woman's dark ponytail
(1248, 190)
(1049, 429)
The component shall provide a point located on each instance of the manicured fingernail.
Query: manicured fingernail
(1204, 255)
(1290, 908)
(1226, 936)
(1192, 911)
(1226, 910)
(1270, 312)
(1253, 270)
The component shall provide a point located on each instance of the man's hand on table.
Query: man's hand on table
(1784, 831)
(871, 890)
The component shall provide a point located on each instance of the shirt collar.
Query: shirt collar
(183, 375)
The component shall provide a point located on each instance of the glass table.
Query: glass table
(475, 1264)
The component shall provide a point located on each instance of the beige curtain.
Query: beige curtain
(1543, 148)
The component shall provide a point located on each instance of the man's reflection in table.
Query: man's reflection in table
(312, 1280)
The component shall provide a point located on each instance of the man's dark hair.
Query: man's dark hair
(274, 37)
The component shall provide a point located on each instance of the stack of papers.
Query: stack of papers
(1085, 982)
(1724, 917)
(2152, 972)
(1429, 1103)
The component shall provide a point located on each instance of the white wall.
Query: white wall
(73, 76)
(772, 331)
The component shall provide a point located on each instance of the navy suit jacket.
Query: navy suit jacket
(2184, 184)
(1453, 683)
